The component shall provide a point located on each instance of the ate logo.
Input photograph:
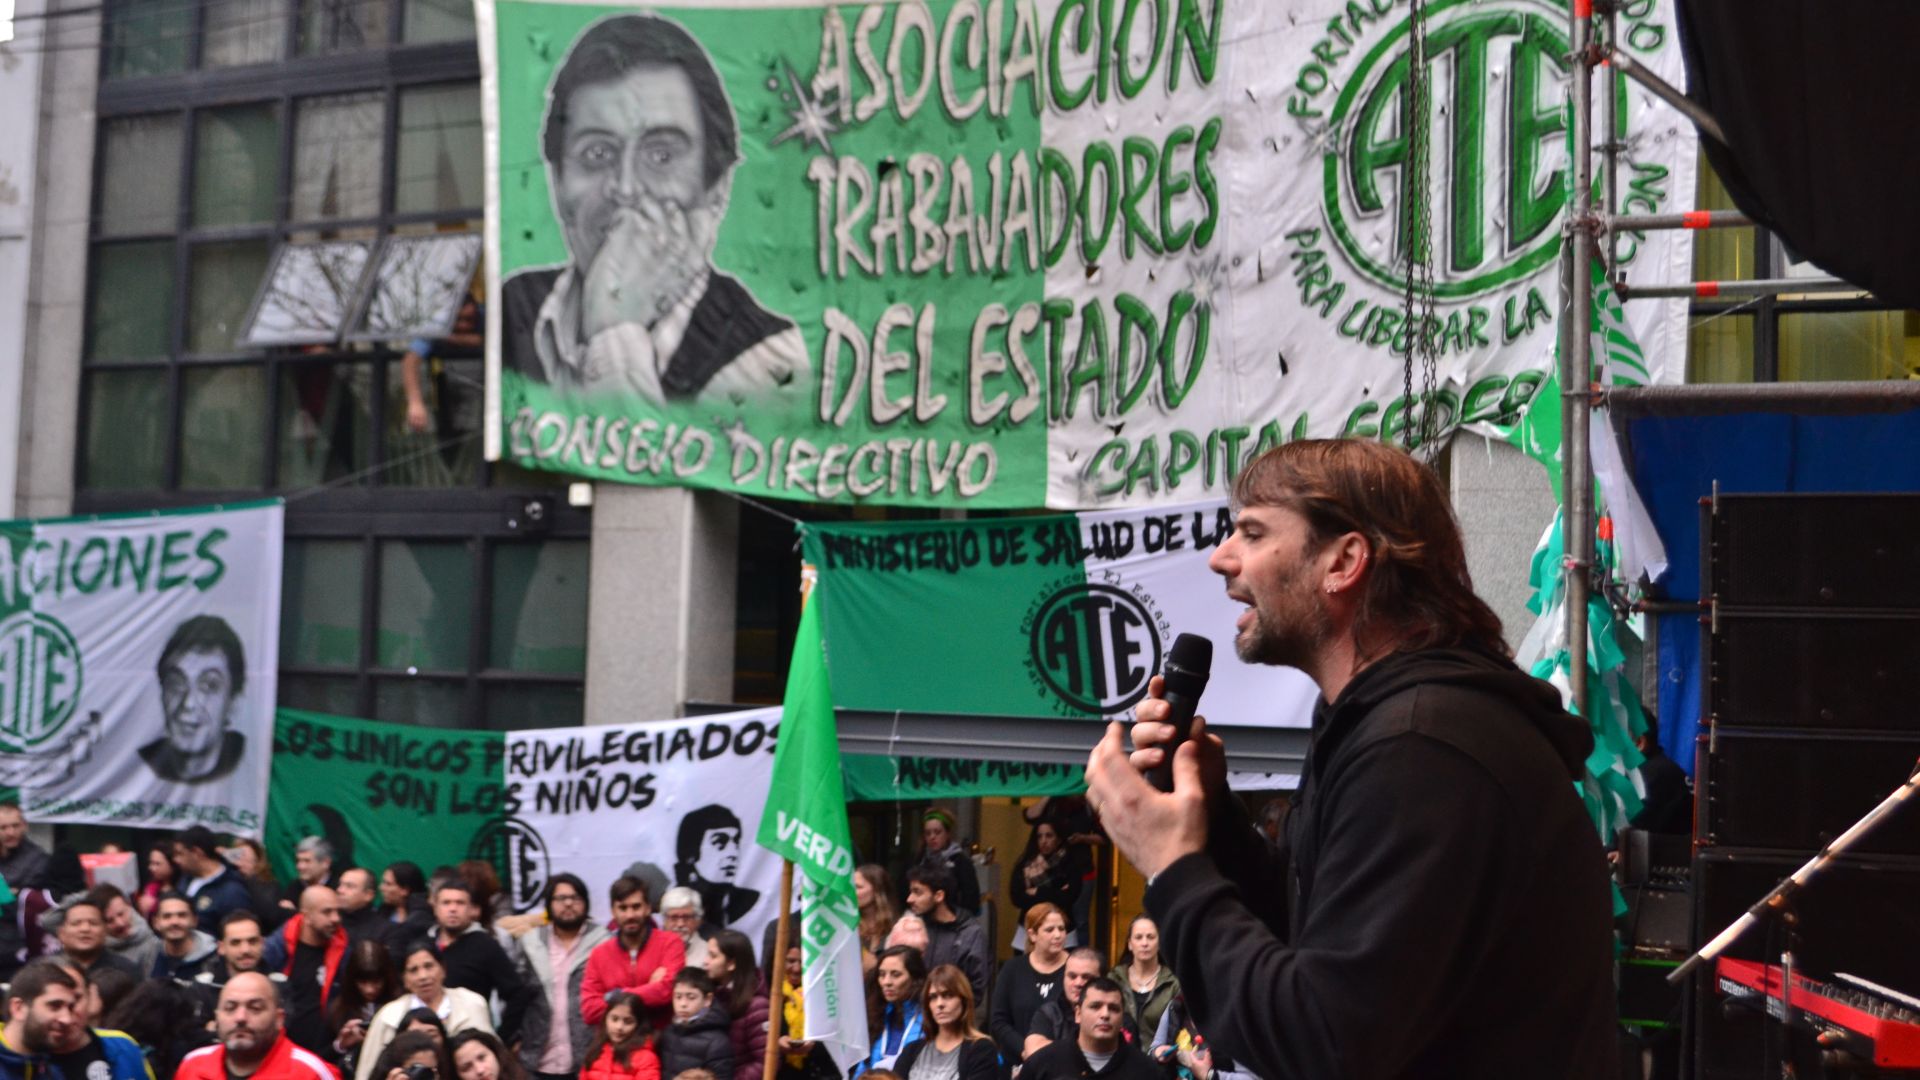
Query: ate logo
(1093, 646)
(39, 681)
(518, 850)
(1495, 78)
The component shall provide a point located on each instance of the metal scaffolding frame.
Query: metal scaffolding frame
(1591, 233)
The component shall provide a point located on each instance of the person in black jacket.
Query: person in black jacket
(473, 959)
(210, 881)
(701, 1035)
(948, 1009)
(1439, 865)
(1098, 1050)
(939, 848)
(1027, 983)
(1441, 904)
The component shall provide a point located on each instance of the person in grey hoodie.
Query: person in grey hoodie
(128, 935)
(185, 949)
(552, 959)
(953, 937)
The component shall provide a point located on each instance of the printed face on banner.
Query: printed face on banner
(672, 803)
(1033, 252)
(137, 661)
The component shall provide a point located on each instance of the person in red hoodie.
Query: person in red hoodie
(253, 1043)
(309, 949)
(639, 960)
(623, 1047)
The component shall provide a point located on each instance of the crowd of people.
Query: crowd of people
(210, 971)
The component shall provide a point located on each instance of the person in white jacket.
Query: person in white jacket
(426, 982)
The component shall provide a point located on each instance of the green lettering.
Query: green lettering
(1137, 151)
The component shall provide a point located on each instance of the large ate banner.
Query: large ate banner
(137, 665)
(1021, 253)
(683, 798)
(380, 792)
(1067, 615)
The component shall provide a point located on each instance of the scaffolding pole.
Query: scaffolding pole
(1708, 290)
(1576, 375)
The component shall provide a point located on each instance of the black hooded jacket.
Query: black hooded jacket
(1440, 906)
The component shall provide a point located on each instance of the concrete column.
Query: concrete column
(49, 400)
(660, 612)
(1504, 503)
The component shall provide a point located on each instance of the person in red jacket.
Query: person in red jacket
(623, 1047)
(638, 960)
(253, 1043)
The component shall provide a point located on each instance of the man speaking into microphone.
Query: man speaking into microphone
(1439, 904)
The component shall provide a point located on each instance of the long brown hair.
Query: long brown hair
(623, 1050)
(947, 979)
(1417, 593)
(876, 921)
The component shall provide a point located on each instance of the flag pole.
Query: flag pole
(777, 971)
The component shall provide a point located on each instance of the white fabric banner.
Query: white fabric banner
(137, 666)
(682, 798)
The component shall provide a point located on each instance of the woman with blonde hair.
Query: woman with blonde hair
(873, 889)
(1029, 980)
(955, 1048)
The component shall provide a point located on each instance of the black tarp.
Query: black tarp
(1820, 103)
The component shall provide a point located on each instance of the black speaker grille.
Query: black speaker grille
(1818, 551)
(1815, 671)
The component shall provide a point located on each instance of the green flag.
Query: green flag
(805, 822)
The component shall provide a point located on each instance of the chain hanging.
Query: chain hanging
(1416, 208)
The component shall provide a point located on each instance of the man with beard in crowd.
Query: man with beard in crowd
(184, 947)
(639, 960)
(84, 1052)
(42, 1013)
(362, 921)
(953, 937)
(1098, 1051)
(238, 948)
(250, 1026)
(553, 960)
(309, 950)
(1058, 1020)
(473, 959)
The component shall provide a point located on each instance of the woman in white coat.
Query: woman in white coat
(426, 982)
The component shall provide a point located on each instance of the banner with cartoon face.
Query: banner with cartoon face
(1020, 253)
(138, 656)
(676, 802)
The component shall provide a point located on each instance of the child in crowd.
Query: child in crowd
(622, 1049)
(700, 1036)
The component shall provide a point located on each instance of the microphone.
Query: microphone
(1188, 664)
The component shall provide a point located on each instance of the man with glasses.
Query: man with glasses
(552, 958)
(684, 916)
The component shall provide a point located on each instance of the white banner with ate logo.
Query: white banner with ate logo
(137, 666)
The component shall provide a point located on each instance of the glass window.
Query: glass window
(434, 441)
(325, 422)
(132, 311)
(1720, 349)
(240, 32)
(540, 607)
(336, 156)
(1848, 346)
(437, 703)
(513, 706)
(426, 605)
(147, 37)
(1720, 254)
(223, 427)
(223, 279)
(320, 603)
(308, 292)
(140, 174)
(418, 287)
(423, 21)
(126, 445)
(335, 694)
(333, 26)
(236, 165)
(440, 166)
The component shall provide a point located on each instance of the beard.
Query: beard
(570, 925)
(1289, 630)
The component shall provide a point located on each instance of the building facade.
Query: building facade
(227, 195)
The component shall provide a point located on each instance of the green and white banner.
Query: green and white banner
(381, 792)
(1021, 253)
(1065, 615)
(137, 664)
